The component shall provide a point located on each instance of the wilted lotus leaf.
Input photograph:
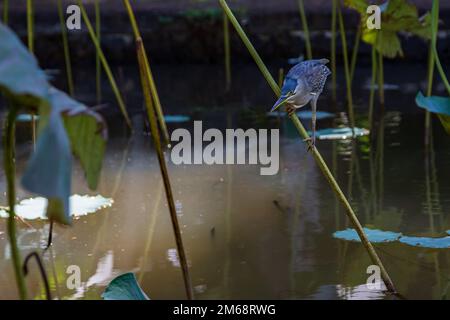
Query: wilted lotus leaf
(65, 125)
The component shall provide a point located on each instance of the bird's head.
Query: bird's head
(282, 100)
(287, 91)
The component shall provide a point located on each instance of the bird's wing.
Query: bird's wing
(289, 86)
(315, 76)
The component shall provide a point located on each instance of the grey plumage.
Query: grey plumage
(313, 72)
(303, 84)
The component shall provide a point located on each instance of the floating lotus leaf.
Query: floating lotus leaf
(304, 115)
(124, 287)
(176, 118)
(426, 242)
(374, 235)
(340, 133)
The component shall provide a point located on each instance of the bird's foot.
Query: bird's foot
(290, 110)
(311, 144)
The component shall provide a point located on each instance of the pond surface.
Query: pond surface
(250, 236)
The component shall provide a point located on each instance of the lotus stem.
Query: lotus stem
(30, 38)
(434, 28)
(30, 25)
(372, 86)
(301, 8)
(355, 52)
(41, 270)
(162, 164)
(226, 42)
(381, 79)
(316, 154)
(5, 12)
(154, 91)
(105, 64)
(346, 67)
(67, 58)
(98, 66)
(429, 92)
(333, 50)
(9, 140)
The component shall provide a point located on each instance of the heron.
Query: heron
(303, 84)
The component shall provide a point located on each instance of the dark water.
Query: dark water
(247, 235)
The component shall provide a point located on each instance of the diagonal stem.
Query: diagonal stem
(316, 154)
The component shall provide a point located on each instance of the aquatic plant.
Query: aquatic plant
(124, 287)
(333, 49)
(5, 12)
(105, 64)
(65, 126)
(301, 8)
(227, 56)
(396, 16)
(149, 92)
(435, 104)
(65, 41)
(30, 39)
(98, 66)
(348, 79)
(149, 75)
(380, 236)
(316, 154)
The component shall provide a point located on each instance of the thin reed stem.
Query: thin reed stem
(316, 154)
(381, 79)
(30, 38)
(105, 64)
(355, 52)
(9, 164)
(346, 67)
(67, 58)
(154, 91)
(98, 65)
(30, 25)
(434, 28)
(226, 43)
(162, 164)
(429, 92)
(333, 50)
(372, 86)
(5, 12)
(301, 8)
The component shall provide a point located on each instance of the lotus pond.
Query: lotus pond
(247, 235)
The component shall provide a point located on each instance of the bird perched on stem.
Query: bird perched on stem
(303, 84)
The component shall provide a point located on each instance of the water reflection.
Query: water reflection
(246, 235)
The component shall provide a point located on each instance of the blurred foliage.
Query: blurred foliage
(396, 16)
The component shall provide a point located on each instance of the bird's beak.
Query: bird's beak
(279, 103)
